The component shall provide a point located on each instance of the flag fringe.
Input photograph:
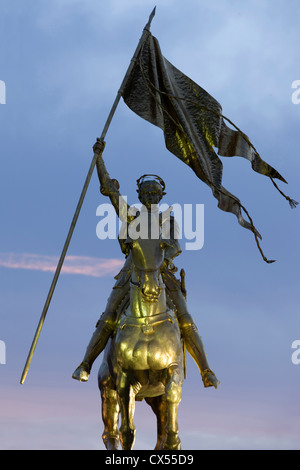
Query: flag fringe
(292, 202)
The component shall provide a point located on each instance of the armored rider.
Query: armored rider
(150, 192)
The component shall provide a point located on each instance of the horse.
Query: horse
(144, 359)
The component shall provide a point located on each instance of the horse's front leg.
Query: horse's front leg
(127, 407)
(110, 408)
(158, 405)
(173, 393)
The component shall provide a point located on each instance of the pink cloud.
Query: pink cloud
(84, 265)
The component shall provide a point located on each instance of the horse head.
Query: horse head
(148, 257)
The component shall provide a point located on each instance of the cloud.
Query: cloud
(84, 265)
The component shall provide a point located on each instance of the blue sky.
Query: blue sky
(62, 63)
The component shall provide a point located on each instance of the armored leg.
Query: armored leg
(192, 339)
(104, 328)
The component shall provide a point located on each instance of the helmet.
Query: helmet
(153, 180)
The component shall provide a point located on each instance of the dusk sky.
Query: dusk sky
(61, 65)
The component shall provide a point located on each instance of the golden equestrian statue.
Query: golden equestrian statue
(146, 324)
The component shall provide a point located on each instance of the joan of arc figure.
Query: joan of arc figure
(150, 192)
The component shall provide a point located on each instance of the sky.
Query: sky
(61, 65)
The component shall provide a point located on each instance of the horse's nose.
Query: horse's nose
(151, 292)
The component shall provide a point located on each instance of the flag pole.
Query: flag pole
(81, 199)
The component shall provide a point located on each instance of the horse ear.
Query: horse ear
(164, 244)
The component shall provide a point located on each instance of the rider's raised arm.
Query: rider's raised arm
(110, 187)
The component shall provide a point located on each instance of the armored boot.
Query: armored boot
(192, 340)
